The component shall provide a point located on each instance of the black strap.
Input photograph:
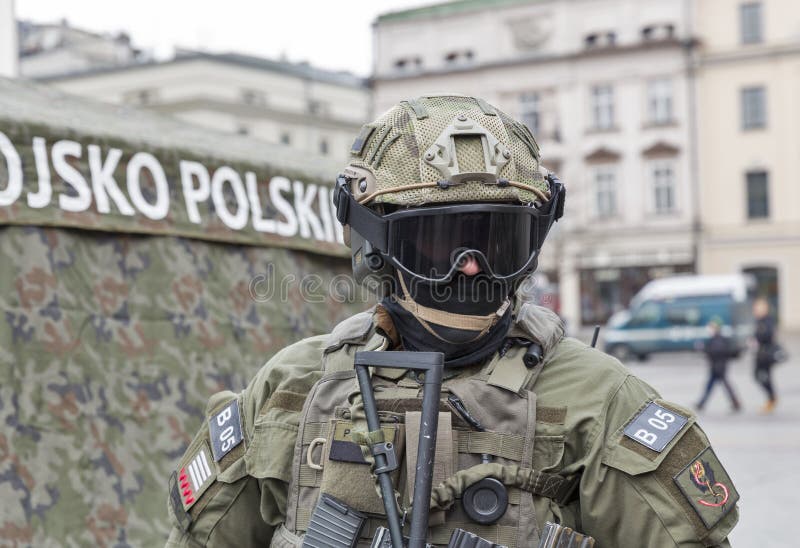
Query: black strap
(371, 226)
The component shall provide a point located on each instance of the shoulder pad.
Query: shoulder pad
(539, 324)
(355, 329)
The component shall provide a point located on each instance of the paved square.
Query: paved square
(760, 452)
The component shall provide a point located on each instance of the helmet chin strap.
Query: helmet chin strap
(426, 315)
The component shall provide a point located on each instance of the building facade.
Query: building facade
(294, 104)
(604, 85)
(8, 40)
(748, 82)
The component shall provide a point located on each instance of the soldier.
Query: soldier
(446, 207)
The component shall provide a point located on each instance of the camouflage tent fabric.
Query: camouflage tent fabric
(116, 327)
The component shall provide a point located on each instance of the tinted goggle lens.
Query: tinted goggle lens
(434, 244)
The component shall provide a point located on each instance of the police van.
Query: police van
(671, 314)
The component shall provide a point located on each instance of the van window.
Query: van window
(647, 315)
(698, 311)
(683, 314)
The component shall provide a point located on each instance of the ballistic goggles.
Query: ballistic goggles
(433, 243)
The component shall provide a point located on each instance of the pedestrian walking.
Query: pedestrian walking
(765, 353)
(719, 349)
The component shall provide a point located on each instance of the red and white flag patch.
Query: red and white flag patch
(195, 476)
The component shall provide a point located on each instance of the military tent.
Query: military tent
(144, 265)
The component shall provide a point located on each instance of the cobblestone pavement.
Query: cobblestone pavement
(760, 452)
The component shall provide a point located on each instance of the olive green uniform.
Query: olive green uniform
(628, 495)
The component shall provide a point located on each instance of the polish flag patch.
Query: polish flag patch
(195, 476)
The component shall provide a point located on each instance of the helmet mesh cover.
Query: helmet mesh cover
(394, 154)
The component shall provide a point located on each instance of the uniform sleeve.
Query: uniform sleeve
(652, 479)
(230, 488)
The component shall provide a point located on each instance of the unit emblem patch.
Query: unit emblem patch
(707, 486)
(225, 430)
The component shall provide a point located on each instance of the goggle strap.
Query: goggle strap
(371, 226)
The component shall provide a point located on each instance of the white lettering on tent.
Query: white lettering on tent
(222, 175)
(289, 209)
(191, 194)
(259, 223)
(103, 183)
(140, 161)
(309, 222)
(71, 176)
(41, 198)
(325, 213)
(277, 185)
(13, 189)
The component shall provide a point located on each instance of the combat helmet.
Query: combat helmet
(440, 179)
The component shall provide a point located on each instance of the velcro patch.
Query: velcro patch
(708, 487)
(344, 449)
(176, 501)
(225, 430)
(655, 426)
(361, 139)
(196, 476)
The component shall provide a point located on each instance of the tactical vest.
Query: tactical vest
(498, 394)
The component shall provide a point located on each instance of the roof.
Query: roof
(36, 103)
(694, 286)
(445, 9)
(300, 70)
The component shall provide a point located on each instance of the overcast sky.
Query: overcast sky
(332, 34)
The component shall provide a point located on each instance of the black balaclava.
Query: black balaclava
(463, 297)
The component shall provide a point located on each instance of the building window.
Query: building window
(323, 147)
(141, 97)
(754, 108)
(751, 23)
(253, 97)
(408, 63)
(286, 138)
(459, 57)
(757, 195)
(530, 106)
(663, 176)
(659, 101)
(603, 107)
(605, 192)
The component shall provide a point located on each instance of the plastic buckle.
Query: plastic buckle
(385, 448)
(341, 199)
